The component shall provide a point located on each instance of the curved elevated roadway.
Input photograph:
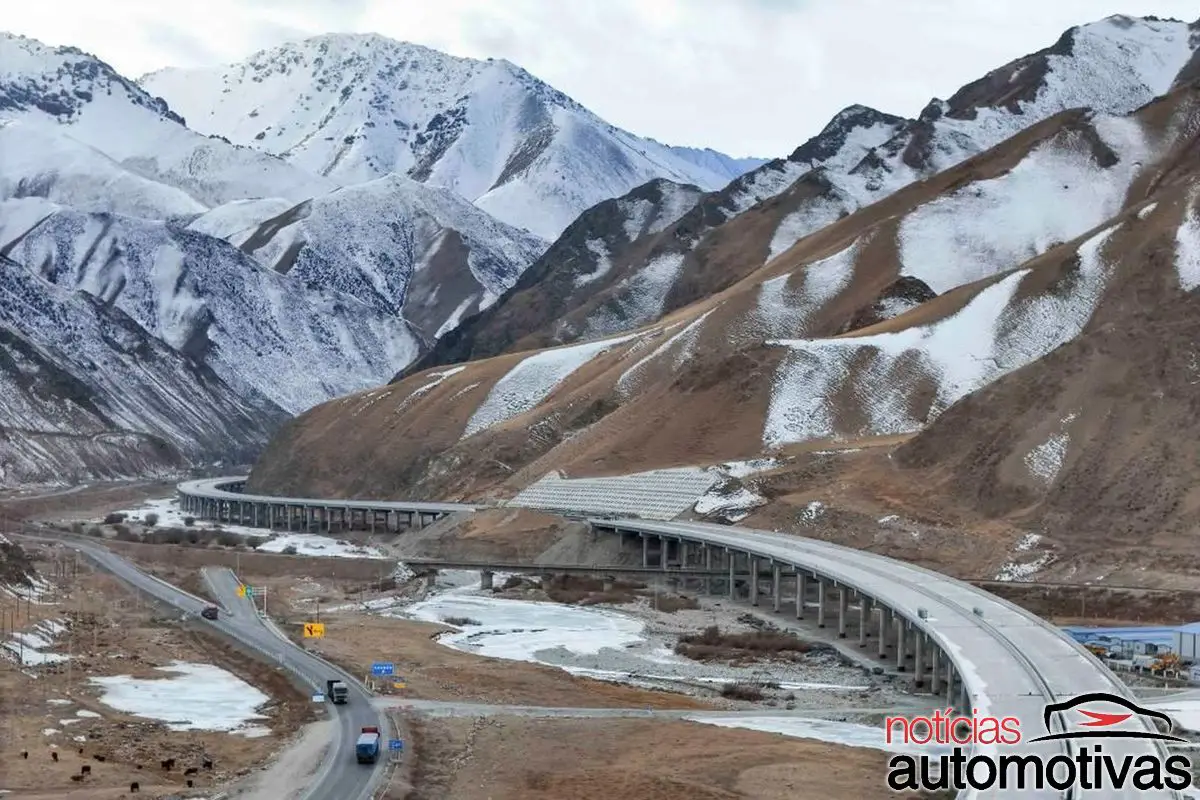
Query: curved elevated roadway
(339, 776)
(1004, 661)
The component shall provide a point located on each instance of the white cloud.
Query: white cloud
(750, 77)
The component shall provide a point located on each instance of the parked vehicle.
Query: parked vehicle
(210, 612)
(337, 691)
(367, 748)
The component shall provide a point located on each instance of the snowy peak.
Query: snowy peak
(852, 122)
(60, 81)
(357, 107)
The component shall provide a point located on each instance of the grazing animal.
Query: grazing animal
(24, 754)
(76, 778)
(189, 783)
(86, 769)
(168, 763)
(53, 756)
(133, 787)
(81, 751)
(99, 757)
(207, 763)
(190, 771)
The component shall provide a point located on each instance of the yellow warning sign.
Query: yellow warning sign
(241, 590)
(399, 685)
(314, 630)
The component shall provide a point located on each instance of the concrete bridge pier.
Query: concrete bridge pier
(485, 579)
(821, 602)
(864, 611)
(753, 581)
(645, 551)
(731, 557)
(918, 659)
(843, 604)
(775, 587)
(884, 618)
(708, 581)
(801, 591)
(901, 643)
(935, 677)
(430, 580)
(663, 548)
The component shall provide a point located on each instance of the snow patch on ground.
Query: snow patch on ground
(744, 469)
(846, 733)
(599, 250)
(783, 311)
(194, 697)
(733, 505)
(32, 649)
(1045, 460)
(812, 217)
(1187, 247)
(1024, 571)
(311, 544)
(1186, 713)
(639, 298)
(532, 380)
(686, 342)
(813, 511)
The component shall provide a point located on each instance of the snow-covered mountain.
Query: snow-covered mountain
(262, 332)
(61, 91)
(861, 157)
(357, 107)
(86, 392)
(415, 251)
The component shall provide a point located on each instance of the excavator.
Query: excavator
(1166, 662)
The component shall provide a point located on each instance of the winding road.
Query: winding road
(339, 776)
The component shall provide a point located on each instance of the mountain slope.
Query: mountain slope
(411, 250)
(262, 332)
(65, 91)
(840, 339)
(655, 249)
(861, 157)
(357, 107)
(86, 393)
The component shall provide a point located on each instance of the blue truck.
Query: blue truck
(367, 748)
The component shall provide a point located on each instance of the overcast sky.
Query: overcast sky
(748, 77)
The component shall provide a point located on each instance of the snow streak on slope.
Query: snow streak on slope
(783, 311)
(1187, 245)
(639, 298)
(532, 380)
(62, 87)
(685, 340)
(357, 107)
(43, 161)
(239, 219)
(992, 335)
(204, 297)
(1053, 195)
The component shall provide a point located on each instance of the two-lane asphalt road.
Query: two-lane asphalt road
(339, 776)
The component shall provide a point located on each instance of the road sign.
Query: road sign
(395, 744)
(400, 684)
(383, 668)
(248, 591)
(318, 698)
(314, 630)
(242, 589)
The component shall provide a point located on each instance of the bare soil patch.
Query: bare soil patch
(713, 644)
(623, 759)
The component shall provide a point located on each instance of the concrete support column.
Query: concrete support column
(801, 591)
(645, 550)
(683, 554)
(821, 602)
(884, 615)
(918, 658)
(753, 581)
(935, 673)
(485, 579)
(901, 638)
(864, 610)
(417, 521)
(430, 579)
(662, 554)
(732, 558)
(775, 587)
(708, 581)
(374, 518)
(843, 604)
(949, 683)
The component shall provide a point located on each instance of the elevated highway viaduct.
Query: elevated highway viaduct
(987, 655)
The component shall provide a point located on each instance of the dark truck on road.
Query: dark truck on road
(209, 612)
(336, 691)
(367, 747)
